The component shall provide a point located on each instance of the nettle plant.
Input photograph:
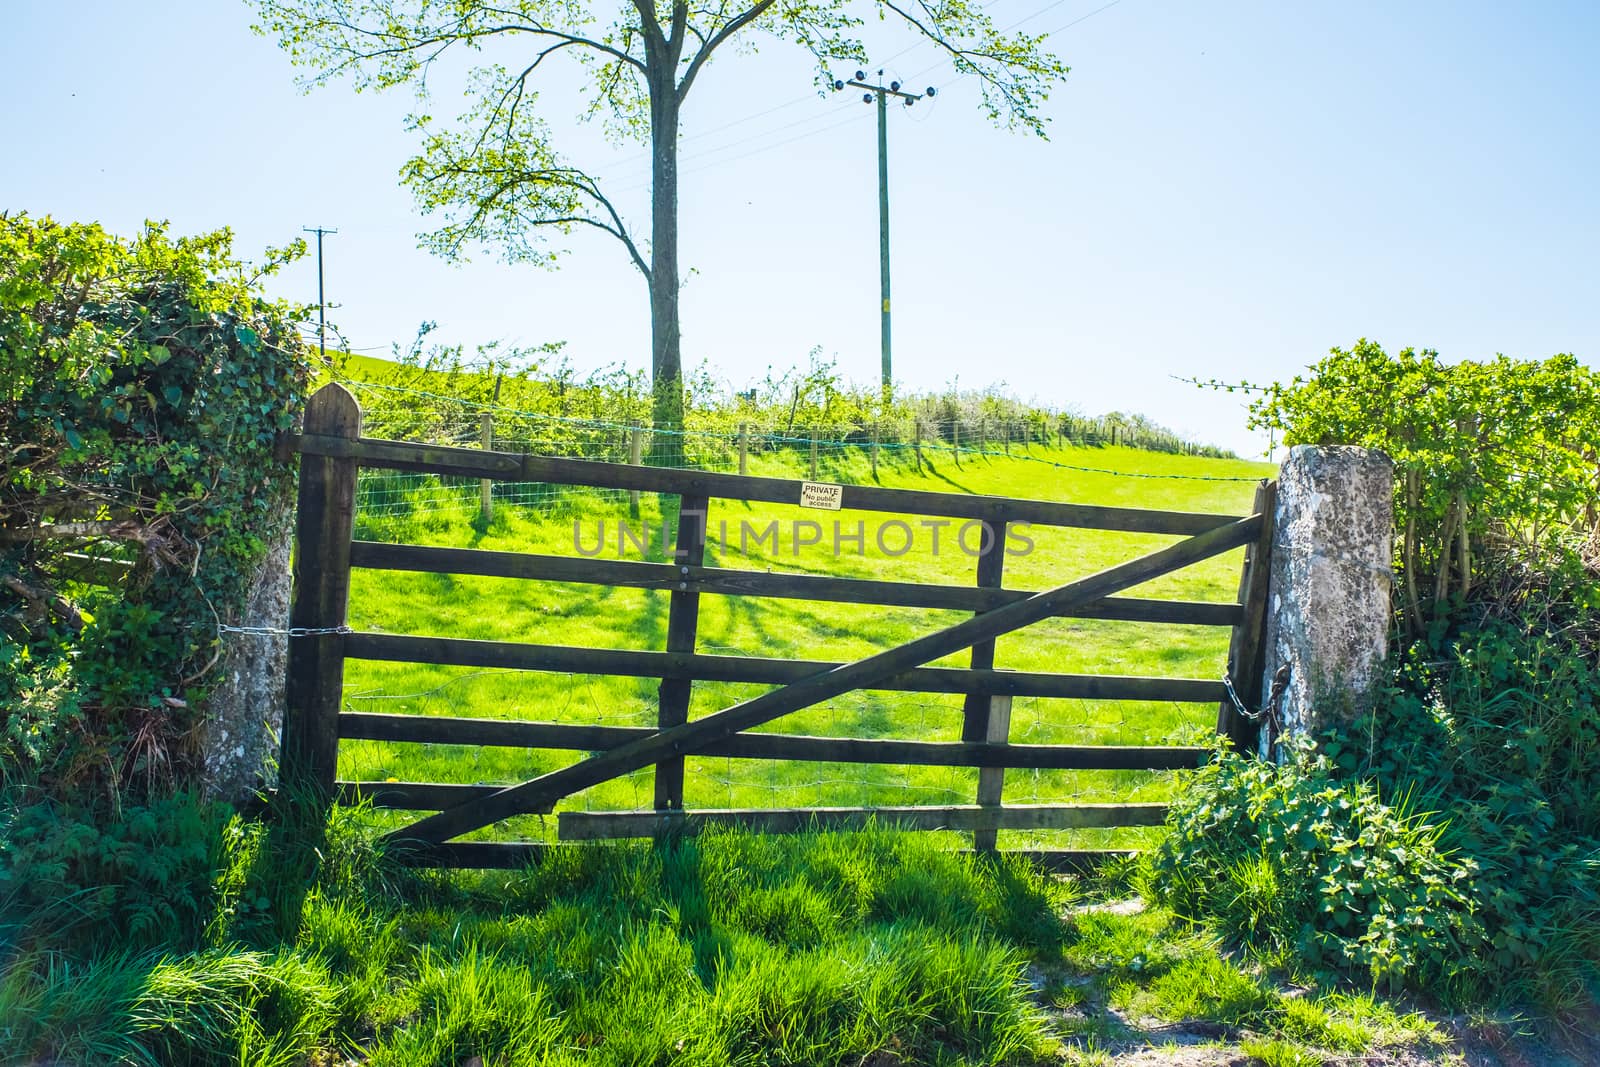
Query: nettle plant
(144, 384)
(1497, 461)
(1296, 862)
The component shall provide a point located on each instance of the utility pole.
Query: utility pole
(322, 303)
(881, 93)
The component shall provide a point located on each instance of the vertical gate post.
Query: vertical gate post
(991, 780)
(978, 709)
(683, 618)
(1245, 645)
(324, 524)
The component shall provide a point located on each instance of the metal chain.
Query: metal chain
(1267, 716)
(273, 631)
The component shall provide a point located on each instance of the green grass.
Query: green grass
(420, 511)
(726, 949)
(818, 949)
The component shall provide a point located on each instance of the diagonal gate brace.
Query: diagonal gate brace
(541, 794)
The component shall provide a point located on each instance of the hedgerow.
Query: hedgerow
(145, 383)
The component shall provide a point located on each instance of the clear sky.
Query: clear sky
(1229, 189)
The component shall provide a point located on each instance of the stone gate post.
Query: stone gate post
(1328, 611)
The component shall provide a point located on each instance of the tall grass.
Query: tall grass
(728, 948)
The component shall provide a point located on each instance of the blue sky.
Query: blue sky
(1228, 190)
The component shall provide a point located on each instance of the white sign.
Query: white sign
(821, 495)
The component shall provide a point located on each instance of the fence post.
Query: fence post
(324, 525)
(955, 439)
(485, 485)
(991, 780)
(683, 618)
(635, 455)
(744, 448)
(874, 449)
(1245, 643)
(813, 453)
(916, 441)
(978, 723)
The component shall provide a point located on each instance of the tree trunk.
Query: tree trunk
(666, 358)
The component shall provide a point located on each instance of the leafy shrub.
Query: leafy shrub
(1495, 721)
(1497, 461)
(1290, 859)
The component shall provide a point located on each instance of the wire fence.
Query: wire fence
(759, 443)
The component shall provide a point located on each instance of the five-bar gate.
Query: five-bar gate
(332, 450)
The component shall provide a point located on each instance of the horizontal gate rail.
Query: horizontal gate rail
(733, 582)
(412, 796)
(592, 825)
(519, 733)
(540, 794)
(518, 467)
(706, 667)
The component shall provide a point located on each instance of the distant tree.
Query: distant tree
(495, 172)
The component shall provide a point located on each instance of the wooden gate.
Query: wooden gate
(332, 451)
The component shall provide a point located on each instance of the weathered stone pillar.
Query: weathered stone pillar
(243, 716)
(1328, 613)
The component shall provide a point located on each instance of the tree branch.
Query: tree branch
(440, 39)
(739, 22)
(650, 28)
(510, 179)
(975, 60)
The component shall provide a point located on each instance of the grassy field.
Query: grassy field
(420, 510)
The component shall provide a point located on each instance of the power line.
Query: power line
(1082, 18)
(1026, 18)
(746, 155)
(705, 153)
